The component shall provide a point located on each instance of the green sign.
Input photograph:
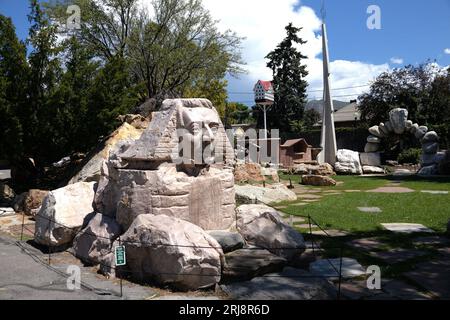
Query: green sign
(120, 256)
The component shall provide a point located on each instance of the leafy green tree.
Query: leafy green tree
(237, 113)
(422, 90)
(310, 118)
(179, 49)
(13, 73)
(288, 82)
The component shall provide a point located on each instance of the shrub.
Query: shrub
(410, 156)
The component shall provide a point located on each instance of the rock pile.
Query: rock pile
(177, 220)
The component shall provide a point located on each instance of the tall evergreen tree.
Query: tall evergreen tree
(40, 138)
(13, 72)
(288, 82)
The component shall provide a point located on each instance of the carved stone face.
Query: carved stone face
(201, 126)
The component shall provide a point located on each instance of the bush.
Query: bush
(409, 156)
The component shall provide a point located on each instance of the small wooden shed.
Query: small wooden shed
(296, 151)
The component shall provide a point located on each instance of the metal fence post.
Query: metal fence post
(340, 273)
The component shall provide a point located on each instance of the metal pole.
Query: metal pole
(23, 222)
(340, 275)
(310, 233)
(120, 276)
(265, 122)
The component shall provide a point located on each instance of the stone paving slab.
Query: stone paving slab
(366, 243)
(397, 255)
(370, 209)
(301, 204)
(7, 212)
(431, 241)
(331, 233)
(310, 196)
(352, 191)
(434, 192)
(310, 200)
(295, 219)
(324, 268)
(406, 227)
(306, 226)
(391, 190)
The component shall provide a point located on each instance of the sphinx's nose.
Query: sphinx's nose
(208, 135)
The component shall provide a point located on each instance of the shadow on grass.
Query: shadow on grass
(333, 247)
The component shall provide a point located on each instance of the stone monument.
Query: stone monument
(180, 167)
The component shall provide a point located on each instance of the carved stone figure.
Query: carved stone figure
(180, 167)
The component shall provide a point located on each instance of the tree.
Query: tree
(13, 73)
(181, 49)
(310, 118)
(237, 113)
(105, 24)
(44, 75)
(288, 82)
(422, 90)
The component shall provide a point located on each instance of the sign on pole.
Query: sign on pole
(120, 256)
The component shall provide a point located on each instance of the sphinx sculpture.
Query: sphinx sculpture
(181, 167)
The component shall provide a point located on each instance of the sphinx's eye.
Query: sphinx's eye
(214, 126)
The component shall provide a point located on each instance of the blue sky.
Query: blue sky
(411, 32)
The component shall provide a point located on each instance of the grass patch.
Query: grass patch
(340, 212)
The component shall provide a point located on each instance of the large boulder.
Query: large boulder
(430, 170)
(320, 181)
(229, 241)
(324, 169)
(91, 170)
(398, 118)
(270, 194)
(421, 132)
(7, 195)
(247, 172)
(244, 264)
(430, 147)
(63, 213)
(263, 227)
(172, 252)
(375, 131)
(373, 170)
(370, 159)
(95, 241)
(348, 162)
(430, 137)
(371, 147)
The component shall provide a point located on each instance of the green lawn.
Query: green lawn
(340, 211)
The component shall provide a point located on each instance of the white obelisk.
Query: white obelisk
(328, 137)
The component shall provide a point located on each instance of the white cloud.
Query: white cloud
(262, 24)
(447, 51)
(396, 60)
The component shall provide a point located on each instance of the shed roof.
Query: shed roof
(290, 143)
